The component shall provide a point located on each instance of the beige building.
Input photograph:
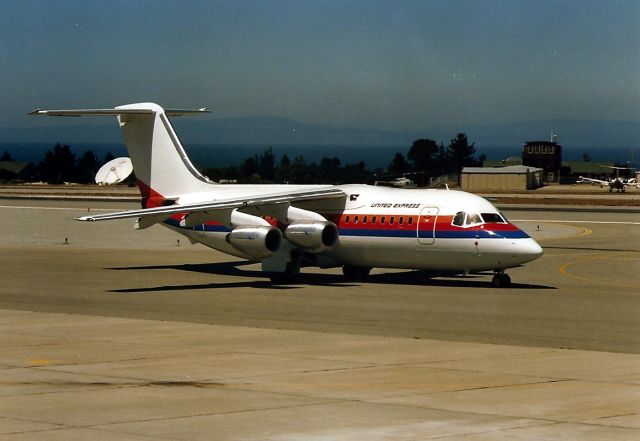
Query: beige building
(513, 178)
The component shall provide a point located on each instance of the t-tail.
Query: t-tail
(163, 169)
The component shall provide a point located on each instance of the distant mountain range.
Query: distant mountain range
(292, 135)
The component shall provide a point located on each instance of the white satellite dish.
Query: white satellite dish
(114, 171)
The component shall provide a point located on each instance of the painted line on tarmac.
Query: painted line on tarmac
(564, 269)
(576, 222)
(56, 208)
(584, 232)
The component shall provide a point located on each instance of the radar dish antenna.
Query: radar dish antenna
(114, 171)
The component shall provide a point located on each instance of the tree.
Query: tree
(461, 153)
(87, 167)
(108, 157)
(300, 172)
(442, 160)
(423, 153)
(356, 173)
(6, 156)
(329, 171)
(267, 164)
(58, 165)
(250, 168)
(283, 172)
(398, 165)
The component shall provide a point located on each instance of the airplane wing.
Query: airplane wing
(150, 216)
(595, 181)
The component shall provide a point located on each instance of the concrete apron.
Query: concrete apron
(78, 377)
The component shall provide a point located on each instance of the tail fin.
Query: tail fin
(159, 160)
(160, 163)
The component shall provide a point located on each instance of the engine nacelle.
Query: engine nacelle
(256, 242)
(314, 237)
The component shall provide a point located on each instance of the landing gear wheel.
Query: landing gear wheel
(501, 280)
(356, 273)
(290, 275)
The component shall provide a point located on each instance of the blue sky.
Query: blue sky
(393, 65)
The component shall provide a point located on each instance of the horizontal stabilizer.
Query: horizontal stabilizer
(116, 112)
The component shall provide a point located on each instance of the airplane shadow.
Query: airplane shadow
(222, 268)
(314, 279)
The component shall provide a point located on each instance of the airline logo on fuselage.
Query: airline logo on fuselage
(392, 205)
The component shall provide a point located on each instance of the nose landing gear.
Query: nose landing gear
(501, 280)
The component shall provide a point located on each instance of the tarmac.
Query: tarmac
(110, 333)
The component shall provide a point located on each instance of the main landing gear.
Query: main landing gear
(356, 273)
(291, 274)
(501, 280)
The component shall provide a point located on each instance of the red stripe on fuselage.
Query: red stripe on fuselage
(365, 221)
(443, 223)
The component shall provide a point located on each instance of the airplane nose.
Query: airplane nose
(529, 249)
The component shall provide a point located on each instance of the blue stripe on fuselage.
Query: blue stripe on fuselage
(446, 234)
(481, 234)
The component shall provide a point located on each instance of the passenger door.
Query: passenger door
(426, 228)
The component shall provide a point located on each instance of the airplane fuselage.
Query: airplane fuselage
(439, 230)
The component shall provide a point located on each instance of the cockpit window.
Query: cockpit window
(462, 219)
(493, 218)
(472, 219)
(458, 219)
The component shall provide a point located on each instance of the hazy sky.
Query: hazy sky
(364, 64)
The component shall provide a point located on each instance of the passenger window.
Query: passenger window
(355, 220)
(373, 220)
(391, 220)
(411, 220)
(401, 221)
(458, 219)
(382, 220)
(346, 220)
(364, 219)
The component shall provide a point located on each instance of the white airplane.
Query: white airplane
(286, 227)
(401, 182)
(618, 184)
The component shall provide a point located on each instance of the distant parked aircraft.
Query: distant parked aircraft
(619, 184)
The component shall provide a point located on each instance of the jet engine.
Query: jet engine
(256, 242)
(314, 237)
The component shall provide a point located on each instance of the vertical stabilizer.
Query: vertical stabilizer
(159, 160)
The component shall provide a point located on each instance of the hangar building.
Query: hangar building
(513, 178)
